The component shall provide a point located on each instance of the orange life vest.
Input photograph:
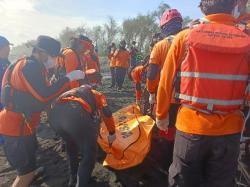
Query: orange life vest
(13, 119)
(214, 74)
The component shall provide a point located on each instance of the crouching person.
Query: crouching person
(75, 117)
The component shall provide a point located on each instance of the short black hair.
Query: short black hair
(217, 6)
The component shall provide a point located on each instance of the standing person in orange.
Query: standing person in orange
(112, 50)
(91, 59)
(208, 74)
(72, 58)
(171, 24)
(122, 59)
(91, 62)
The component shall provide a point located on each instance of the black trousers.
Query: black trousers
(112, 71)
(204, 161)
(79, 131)
(120, 76)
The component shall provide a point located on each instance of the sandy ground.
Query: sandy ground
(51, 156)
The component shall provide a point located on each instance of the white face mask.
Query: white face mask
(236, 12)
(50, 63)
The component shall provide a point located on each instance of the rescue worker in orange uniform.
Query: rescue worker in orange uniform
(75, 117)
(133, 53)
(138, 75)
(72, 58)
(171, 24)
(208, 74)
(91, 61)
(26, 91)
(122, 60)
(111, 59)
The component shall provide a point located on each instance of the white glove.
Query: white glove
(152, 99)
(162, 124)
(111, 138)
(76, 75)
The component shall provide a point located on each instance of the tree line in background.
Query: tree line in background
(139, 29)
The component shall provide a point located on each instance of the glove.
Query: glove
(76, 75)
(163, 124)
(152, 99)
(111, 139)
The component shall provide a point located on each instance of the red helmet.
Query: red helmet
(168, 15)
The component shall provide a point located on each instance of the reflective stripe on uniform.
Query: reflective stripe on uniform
(213, 76)
(209, 101)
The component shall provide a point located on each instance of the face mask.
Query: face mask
(236, 12)
(50, 63)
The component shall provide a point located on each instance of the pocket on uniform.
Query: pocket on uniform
(187, 146)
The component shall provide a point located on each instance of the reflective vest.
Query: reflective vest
(215, 71)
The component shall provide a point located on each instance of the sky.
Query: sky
(23, 20)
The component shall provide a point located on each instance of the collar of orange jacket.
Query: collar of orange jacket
(221, 18)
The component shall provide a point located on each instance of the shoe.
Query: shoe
(72, 181)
